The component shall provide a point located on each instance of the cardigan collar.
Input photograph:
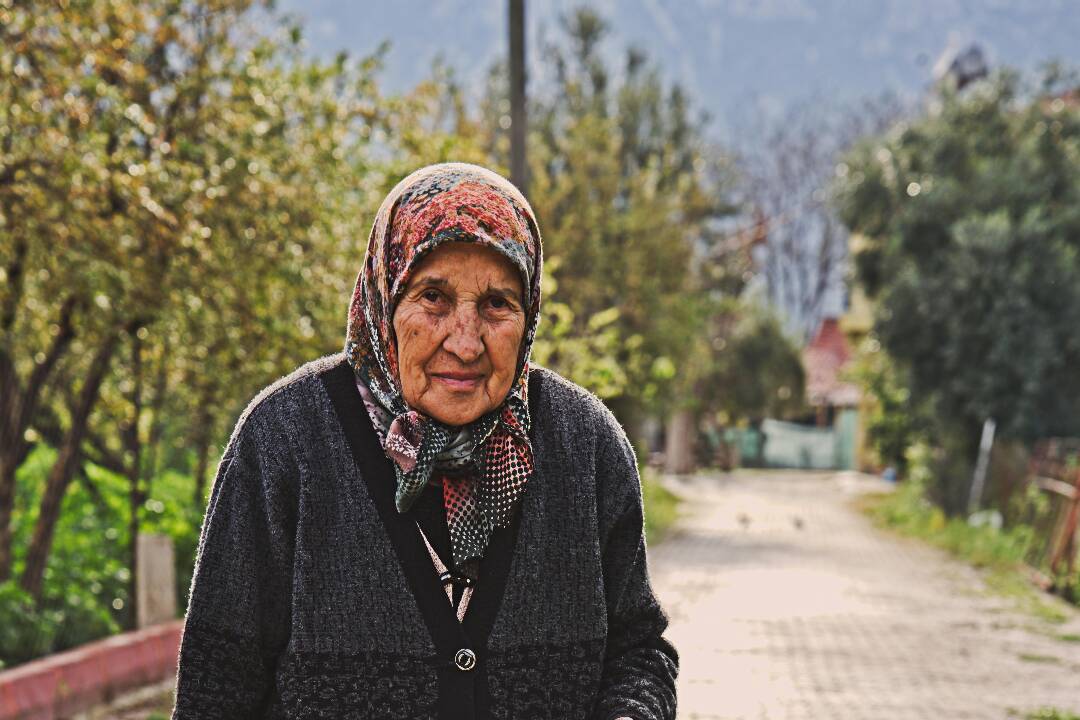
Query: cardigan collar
(449, 636)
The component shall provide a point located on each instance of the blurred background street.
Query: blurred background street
(787, 603)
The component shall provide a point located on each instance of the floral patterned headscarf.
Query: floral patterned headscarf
(484, 466)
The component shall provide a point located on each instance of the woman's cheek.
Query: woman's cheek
(417, 332)
(509, 336)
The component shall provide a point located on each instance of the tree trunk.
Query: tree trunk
(134, 473)
(17, 408)
(202, 458)
(64, 469)
(14, 272)
(157, 424)
(7, 506)
(679, 443)
(205, 424)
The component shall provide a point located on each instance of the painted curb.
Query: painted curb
(60, 685)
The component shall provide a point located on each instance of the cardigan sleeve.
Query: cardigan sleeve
(239, 609)
(640, 665)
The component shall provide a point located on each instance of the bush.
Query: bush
(661, 506)
(894, 422)
(29, 630)
(25, 632)
(1005, 550)
(910, 511)
(85, 594)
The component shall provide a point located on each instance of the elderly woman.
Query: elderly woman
(426, 526)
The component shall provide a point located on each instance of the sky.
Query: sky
(737, 58)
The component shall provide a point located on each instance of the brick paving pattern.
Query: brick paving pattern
(787, 604)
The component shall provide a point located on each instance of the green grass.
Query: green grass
(1031, 658)
(661, 507)
(1009, 581)
(908, 512)
(1000, 552)
(1051, 714)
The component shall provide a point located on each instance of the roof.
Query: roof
(824, 359)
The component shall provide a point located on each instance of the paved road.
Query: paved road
(787, 604)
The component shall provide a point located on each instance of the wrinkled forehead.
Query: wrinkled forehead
(447, 208)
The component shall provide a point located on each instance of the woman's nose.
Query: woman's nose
(465, 338)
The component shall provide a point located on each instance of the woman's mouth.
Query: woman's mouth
(459, 380)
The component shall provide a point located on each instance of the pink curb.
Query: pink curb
(60, 685)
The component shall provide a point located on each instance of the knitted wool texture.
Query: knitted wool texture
(300, 606)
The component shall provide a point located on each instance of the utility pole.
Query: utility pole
(519, 173)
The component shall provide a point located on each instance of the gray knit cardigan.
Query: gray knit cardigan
(314, 598)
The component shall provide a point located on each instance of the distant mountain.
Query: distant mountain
(732, 55)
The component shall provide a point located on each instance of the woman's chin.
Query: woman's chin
(455, 406)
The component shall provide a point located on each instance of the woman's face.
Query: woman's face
(459, 327)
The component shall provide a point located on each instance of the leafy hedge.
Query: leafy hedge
(86, 590)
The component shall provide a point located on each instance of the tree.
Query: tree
(787, 170)
(893, 421)
(625, 189)
(757, 369)
(175, 177)
(970, 227)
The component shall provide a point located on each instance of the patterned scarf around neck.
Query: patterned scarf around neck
(483, 467)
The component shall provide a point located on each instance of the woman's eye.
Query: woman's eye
(431, 296)
(500, 303)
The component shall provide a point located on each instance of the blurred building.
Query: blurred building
(830, 443)
(824, 360)
(831, 439)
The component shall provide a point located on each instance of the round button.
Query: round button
(465, 659)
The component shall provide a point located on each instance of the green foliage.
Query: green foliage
(590, 358)
(893, 422)
(970, 222)
(25, 632)
(626, 192)
(755, 370)
(1032, 507)
(661, 506)
(1002, 551)
(1049, 713)
(86, 590)
(909, 511)
(624, 188)
(185, 183)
